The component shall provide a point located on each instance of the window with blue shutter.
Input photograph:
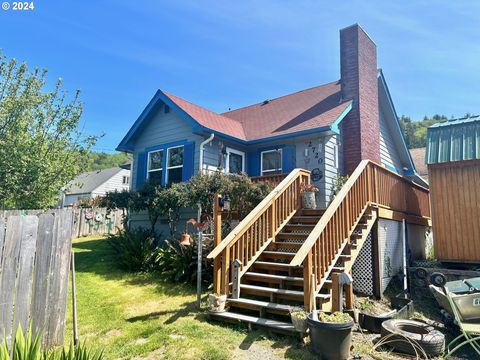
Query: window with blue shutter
(288, 159)
(141, 175)
(188, 161)
(253, 163)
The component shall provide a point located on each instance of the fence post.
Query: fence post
(308, 283)
(217, 236)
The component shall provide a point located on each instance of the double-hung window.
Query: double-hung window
(174, 165)
(235, 161)
(155, 167)
(271, 162)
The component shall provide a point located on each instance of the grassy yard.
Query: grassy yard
(136, 316)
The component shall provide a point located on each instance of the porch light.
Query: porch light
(224, 202)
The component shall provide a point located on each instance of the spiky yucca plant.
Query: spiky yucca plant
(29, 347)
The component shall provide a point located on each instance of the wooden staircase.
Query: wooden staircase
(271, 287)
(290, 257)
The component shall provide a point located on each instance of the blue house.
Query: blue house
(327, 129)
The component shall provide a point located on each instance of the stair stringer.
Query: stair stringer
(346, 247)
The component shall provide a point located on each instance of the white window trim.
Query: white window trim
(168, 158)
(237, 152)
(148, 162)
(335, 156)
(266, 172)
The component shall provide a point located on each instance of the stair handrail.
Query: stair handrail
(327, 215)
(258, 211)
(372, 195)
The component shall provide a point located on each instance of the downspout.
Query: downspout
(200, 165)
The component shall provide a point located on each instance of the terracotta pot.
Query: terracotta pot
(308, 200)
(185, 239)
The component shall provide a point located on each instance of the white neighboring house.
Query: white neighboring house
(92, 184)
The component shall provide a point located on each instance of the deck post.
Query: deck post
(349, 297)
(217, 235)
(236, 268)
(307, 282)
(335, 293)
(225, 271)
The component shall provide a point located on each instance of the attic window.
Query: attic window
(166, 109)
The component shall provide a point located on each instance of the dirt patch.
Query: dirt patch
(255, 352)
(139, 341)
(113, 333)
(155, 355)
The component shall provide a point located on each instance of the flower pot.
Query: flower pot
(330, 341)
(216, 303)
(308, 200)
(185, 239)
(300, 323)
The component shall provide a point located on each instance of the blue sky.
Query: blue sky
(227, 54)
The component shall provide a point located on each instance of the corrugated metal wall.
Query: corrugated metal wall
(454, 140)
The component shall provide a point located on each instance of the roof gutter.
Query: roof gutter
(202, 145)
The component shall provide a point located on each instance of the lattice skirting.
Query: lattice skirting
(362, 270)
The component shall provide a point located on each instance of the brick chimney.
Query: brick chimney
(358, 69)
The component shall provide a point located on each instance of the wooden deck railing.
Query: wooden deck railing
(253, 234)
(271, 179)
(369, 184)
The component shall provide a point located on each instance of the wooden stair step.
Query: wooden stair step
(272, 324)
(312, 212)
(278, 254)
(304, 219)
(259, 290)
(345, 257)
(299, 227)
(272, 278)
(338, 268)
(259, 305)
(287, 244)
(273, 265)
(289, 236)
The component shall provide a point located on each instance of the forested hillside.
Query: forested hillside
(102, 160)
(415, 132)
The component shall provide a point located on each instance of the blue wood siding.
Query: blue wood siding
(164, 128)
(389, 154)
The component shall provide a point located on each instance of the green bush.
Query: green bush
(178, 263)
(135, 249)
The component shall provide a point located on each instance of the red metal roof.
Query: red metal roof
(303, 110)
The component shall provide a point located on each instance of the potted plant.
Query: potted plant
(185, 236)
(308, 196)
(216, 302)
(299, 319)
(372, 314)
(331, 334)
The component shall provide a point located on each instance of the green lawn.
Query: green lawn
(136, 316)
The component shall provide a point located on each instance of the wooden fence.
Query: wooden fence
(34, 267)
(86, 221)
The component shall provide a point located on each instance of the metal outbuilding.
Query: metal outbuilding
(453, 159)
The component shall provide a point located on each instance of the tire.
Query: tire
(421, 273)
(400, 331)
(438, 279)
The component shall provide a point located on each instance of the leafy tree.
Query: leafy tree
(41, 146)
(415, 132)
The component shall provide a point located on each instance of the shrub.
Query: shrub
(29, 347)
(134, 248)
(178, 263)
